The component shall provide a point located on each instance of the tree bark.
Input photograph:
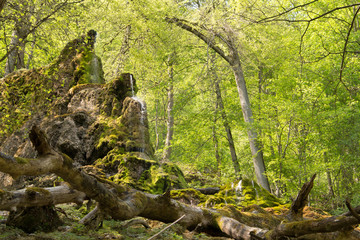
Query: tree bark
(227, 129)
(216, 141)
(124, 203)
(16, 58)
(235, 63)
(170, 117)
(37, 197)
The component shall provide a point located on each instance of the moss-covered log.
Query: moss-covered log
(125, 203)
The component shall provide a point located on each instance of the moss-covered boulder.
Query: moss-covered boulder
(244, 193)
(84, 117)
(143, 174)
(28, 94)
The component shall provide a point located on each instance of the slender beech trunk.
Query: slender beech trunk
(216, 142)
(31, 54)
(156, 125)
(233, 59)
(170, 117)
(328, 176)
(16, 58)
(227, 129)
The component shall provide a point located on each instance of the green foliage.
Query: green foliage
(306, 115)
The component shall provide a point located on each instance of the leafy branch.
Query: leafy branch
(38, 24)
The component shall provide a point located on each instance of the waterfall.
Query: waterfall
(238, 188)
(132, 86)
(94, 70)
(141, 117)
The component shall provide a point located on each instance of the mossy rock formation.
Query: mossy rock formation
(93, 122)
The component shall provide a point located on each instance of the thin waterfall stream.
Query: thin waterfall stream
(142, 114)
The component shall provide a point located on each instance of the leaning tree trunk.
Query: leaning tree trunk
(124, 203)
(234, 61)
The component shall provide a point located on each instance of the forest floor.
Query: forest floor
(70, 214)
(111, 229)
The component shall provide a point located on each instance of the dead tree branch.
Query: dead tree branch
(37, 197)
(298, 205)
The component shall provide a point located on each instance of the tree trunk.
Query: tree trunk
(16, 58)
(170, 117)
(257, 153)
(234, 61)
(38, 197)
(156, 125)
(227, 129)
(216, 141)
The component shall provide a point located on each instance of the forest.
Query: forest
(172, 111)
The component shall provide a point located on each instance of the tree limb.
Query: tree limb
(267, 19)
(274, 18)
(298, 205)
(344, 51)
(181, 23)
(352, 211)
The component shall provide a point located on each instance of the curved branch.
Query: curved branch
(352, 211)
(344, 51)
(267, 19)
(208, 41)
(270, 19)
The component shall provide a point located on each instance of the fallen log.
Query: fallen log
(37, 197)
(122, 203)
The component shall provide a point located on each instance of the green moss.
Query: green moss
(79, 87)
(32, 190)
(110, 133)
(189, 196)
(89, 68)
(67, 160)
(21, 160)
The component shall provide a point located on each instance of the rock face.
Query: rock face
(95, 123)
